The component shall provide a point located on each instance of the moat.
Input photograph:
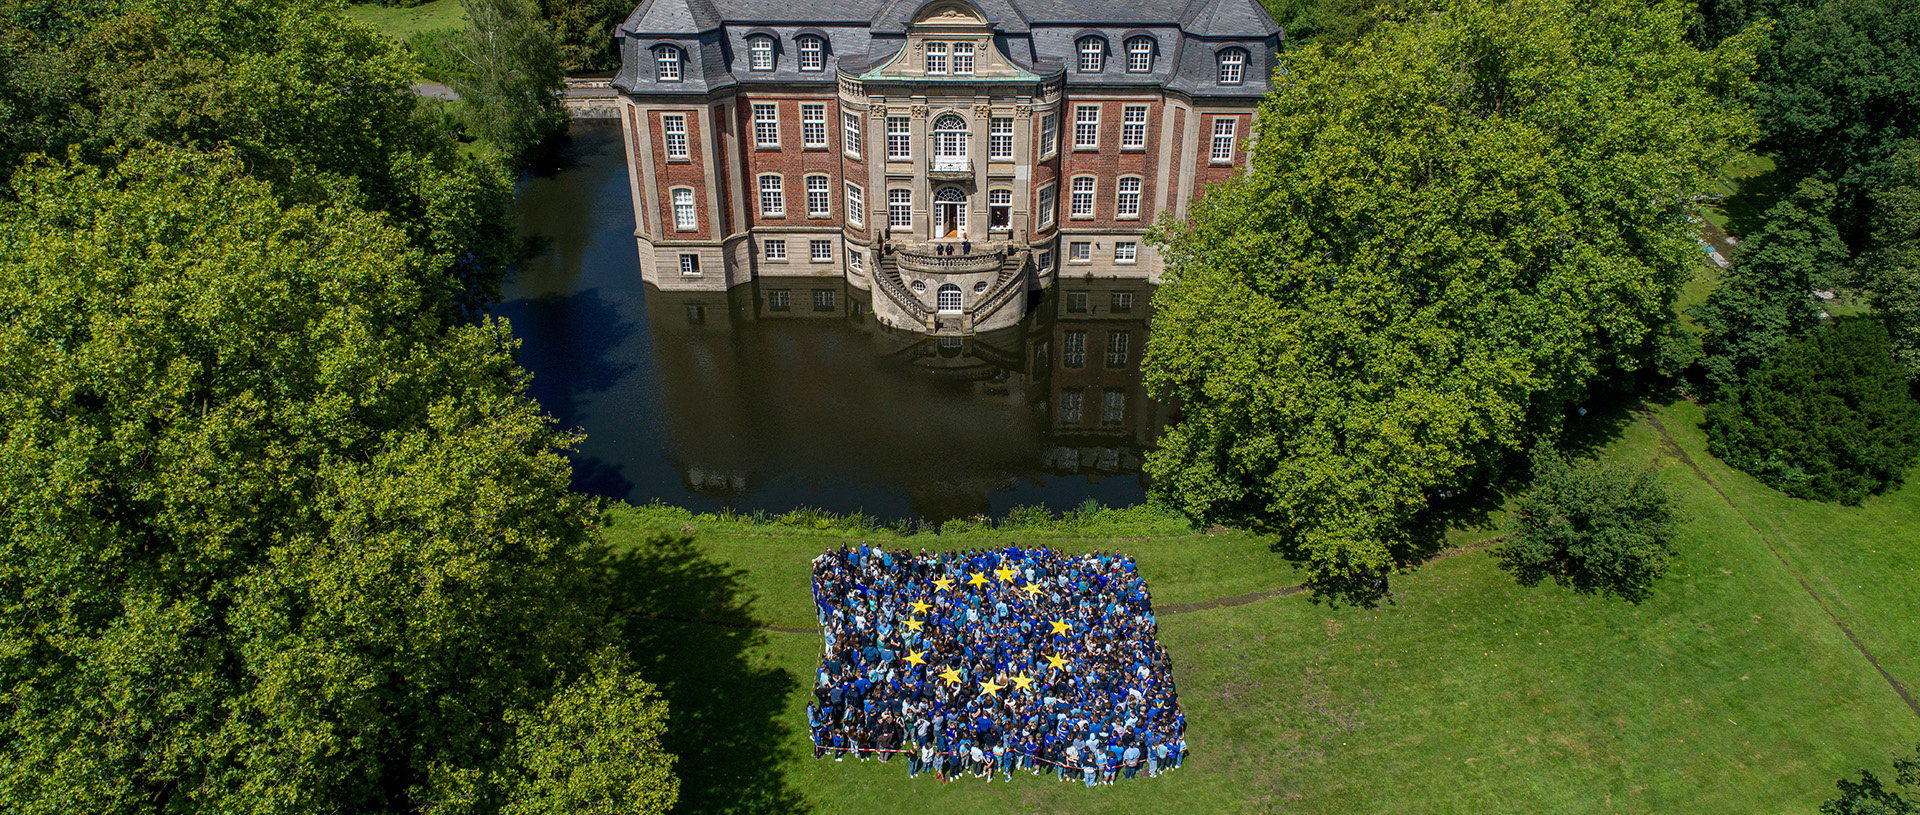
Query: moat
(787, 392)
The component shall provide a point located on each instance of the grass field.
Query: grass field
(401, 23)
(1731, 690)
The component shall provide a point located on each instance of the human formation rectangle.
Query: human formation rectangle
(994, 660)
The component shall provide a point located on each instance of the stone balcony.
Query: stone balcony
(925, 258)
(941, 168)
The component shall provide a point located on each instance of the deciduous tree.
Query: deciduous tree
(1592, 527)
(1868, 795)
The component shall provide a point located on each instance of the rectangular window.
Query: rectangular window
(690, 265)
(762, 50)
(1079, 252)
(1231, 61)
(773, 197)
(774, 249)
(1044, 261)
(811, 49)
(900, 208)
(1124, 251)
(820, 251)
(1076, 302)
(850, 133)
(1223, 139)
(1123, 301)
(666, 59)
(1117, 342)
(779, 300)
(813, 125)
(1140, 55)
(1128, 204)
(1086, 127)
(1000, 138)
(1113, 406)
(963, 58)
(1081, 202)
(818, 203)
(1049, 135)
(936, 57)
(1070, 404)
(822, 300)
(1073, 349)
(683, 215)
(674, 125)
(899, 137)
(1045, 208)
(1133, 126)
(999, 210)
(766, 125)
(856, 206)
(855, 261)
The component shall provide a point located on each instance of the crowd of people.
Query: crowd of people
(991, 662)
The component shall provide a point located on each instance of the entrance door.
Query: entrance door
(949, 213)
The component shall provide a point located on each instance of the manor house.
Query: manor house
(947, 156)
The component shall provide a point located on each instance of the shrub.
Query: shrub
(1828, 418)
(1592, 527)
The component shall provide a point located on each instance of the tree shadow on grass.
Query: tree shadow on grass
(724, 712)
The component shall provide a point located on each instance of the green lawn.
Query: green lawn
(401, 23)
(1732, 690)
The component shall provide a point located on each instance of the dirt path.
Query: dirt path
(1668, 444)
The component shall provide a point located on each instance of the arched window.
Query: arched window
(1093, 55)
(949, 298)
(812, 53)
(666, 63)
(950, 143)
(1232, 64)
(1139, 55)
(760, 52)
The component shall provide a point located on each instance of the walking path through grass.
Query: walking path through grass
(1736, 688)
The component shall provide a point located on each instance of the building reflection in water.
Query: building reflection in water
(786, 375)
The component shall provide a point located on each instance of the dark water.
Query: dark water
(786, 392)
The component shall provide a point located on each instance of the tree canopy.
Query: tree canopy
(1447, 231)
(277, 537)
(1593, 527)
(1890, 273)
(1868, 795)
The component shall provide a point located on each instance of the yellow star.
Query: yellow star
(914, 624)
(1022, 681)
(990, 689)
(1060, 626)
(943, 582)
(919, 607)
(1056, 661)
(951, 675)
(1032, 589)
(917, 658)
(1006, 574)
(977, 579)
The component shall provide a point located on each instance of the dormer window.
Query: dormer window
(962, 58)
(936, 58)
(812, 53)
(666, 64)
(1093, 55)
(760, 52)
(1139, 55)
(1232, 64)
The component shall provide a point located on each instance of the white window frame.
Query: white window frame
(1000, 137)
(812, 51)
(936, 58)
(1140, 55)
(819, 251)
(766, 124)
(998, 199)
(1043, 260)
(963, 59)
(1133, 127)
(1126, 252)
(1080, 196)
(1232, 66)
(899, 138)
(850, 134)
(1093, 54)
(673, 129)
(900, 208)
(856, 205)
(686, 218)
(773, 196)
(1222, 150)
(1080, 251)
(1049, 134)
(666, 63)
(856, 262)
(774, 249)
(1047, 204)
(689, 264)
(945, 304)
(813, 124)
(760, 52)
(819, 196)
(1126, 202)
(1086, 127)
